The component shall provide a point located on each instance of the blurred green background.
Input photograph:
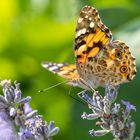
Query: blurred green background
(35, 30)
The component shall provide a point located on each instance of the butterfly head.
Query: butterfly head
(124, 62)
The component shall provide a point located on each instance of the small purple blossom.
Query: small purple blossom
(38, 128)
(98, 132)
(51, 125)
(27, 108)
(111, 92)
(17, 92)
(128, 106)
(25, 134)
(86, 97)
(90, 116)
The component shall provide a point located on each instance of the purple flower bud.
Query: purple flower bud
(103, 125)
(17, 95)
(51, 125)
(85, 97)
(98, 111)
(25, 134)
(46, 130)
(107, 88)
(96, 99)
(8, 90)
(114, 95)
(100, 104)
(128, 106)
(116, 108)
(106, 107)
(111, 93)
(98, 132)
(31, 114)
(25, 100)
(8, 96)
(27, 108)
(53, 132)
(90, 116)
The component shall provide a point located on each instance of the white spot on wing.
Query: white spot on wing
(90, 18)
(80, 20)
(83, 30)
(59, 65)
(91, 25)
(53, 68)
(78, 33)
(45, 65)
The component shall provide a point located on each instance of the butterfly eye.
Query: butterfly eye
(123, 69)
(118, 54)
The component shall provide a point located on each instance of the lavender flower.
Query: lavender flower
(112, 119)
(38, 129)
(16, 111)
(128, 106)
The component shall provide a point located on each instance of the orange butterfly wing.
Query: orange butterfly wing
(91, 36)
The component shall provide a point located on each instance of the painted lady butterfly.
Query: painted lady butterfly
(99, 59)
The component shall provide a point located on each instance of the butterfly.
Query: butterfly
(98, 59)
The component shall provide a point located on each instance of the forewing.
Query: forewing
(65, 70)
(91, 36)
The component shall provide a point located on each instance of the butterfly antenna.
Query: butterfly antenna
(43, 90)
